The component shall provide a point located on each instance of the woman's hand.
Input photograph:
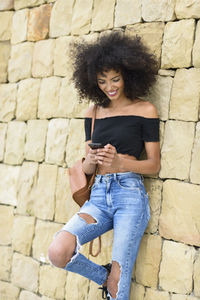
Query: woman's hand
(107, 156)
(91, 156)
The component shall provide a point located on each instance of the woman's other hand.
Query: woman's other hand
(91, 156)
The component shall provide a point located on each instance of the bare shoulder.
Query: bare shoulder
(147, 109)
(89, 112)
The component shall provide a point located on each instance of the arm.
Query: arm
(89, 164)
(151, 165)
(109, 157)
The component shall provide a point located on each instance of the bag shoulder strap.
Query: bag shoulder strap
(99, 238)
(98, 250)
(93, 119)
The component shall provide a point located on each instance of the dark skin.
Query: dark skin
(108, 157)
(111, 83)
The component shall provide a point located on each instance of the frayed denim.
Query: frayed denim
(118, 201)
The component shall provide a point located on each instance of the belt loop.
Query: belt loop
(142, 178)
(115, 176)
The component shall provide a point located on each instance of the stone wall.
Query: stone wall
(41, 134)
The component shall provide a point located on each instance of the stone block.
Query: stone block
(65, 206)
(176, 257)
(197, 275)
(43, 195)
(49, 97)
(5, 25)
(61, 18)
(162, 72)
(6, 224)
(3, 130)
(158, 10)
(137, 291)
(195, 169)
(19, 26)
(162, 130)
(15, 143)
(26, 183)
(6, 4)
(160, 94)
(81, 19)
(148, 260)
(8, 291)
(8, 184)
(62, 59)
(103, 19)
(8, 95)
(43, 58)
(76, 142)
(154, 189)
(38, 24)
(23, 231)
(27, 3)
(186, 9)
(156, 295)
(4, 56)
(180, 216)
(27, 99)
(25, 295)
(19, 66)
(196, 47)
(52, 282)
(127, 12)
(184, 103)
(56, 141)
(151, 35)
(177, 147)
(46, 298)
(70, 108)
(25, 272)
(79, 287)
(5, 263)
(183, 297)
(35, 140)
(177, 44)
(44, 233)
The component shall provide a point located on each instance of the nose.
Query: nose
(109, 86)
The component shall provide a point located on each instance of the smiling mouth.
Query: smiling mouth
(112, 93)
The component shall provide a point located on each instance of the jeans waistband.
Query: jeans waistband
(116, 176)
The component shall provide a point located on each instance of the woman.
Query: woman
(113, 72)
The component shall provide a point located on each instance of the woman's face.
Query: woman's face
(112, 84)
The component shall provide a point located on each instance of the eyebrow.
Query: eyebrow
(105, 76)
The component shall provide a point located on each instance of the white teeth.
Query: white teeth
(112, 93)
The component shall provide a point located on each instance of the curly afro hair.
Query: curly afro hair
(113, 51)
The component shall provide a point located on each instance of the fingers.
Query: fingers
(106, 155)
(92, 156)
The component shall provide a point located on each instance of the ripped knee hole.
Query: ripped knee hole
(89, 219)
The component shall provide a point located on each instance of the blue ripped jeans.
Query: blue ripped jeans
(118, 201)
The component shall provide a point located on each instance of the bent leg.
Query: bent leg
(82, 227)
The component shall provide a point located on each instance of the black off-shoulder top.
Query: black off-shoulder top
(127, 133)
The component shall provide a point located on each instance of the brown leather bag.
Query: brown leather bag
(81, 184)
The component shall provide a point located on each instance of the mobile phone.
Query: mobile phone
(96, 145)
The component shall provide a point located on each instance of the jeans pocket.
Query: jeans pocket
(128, 184)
